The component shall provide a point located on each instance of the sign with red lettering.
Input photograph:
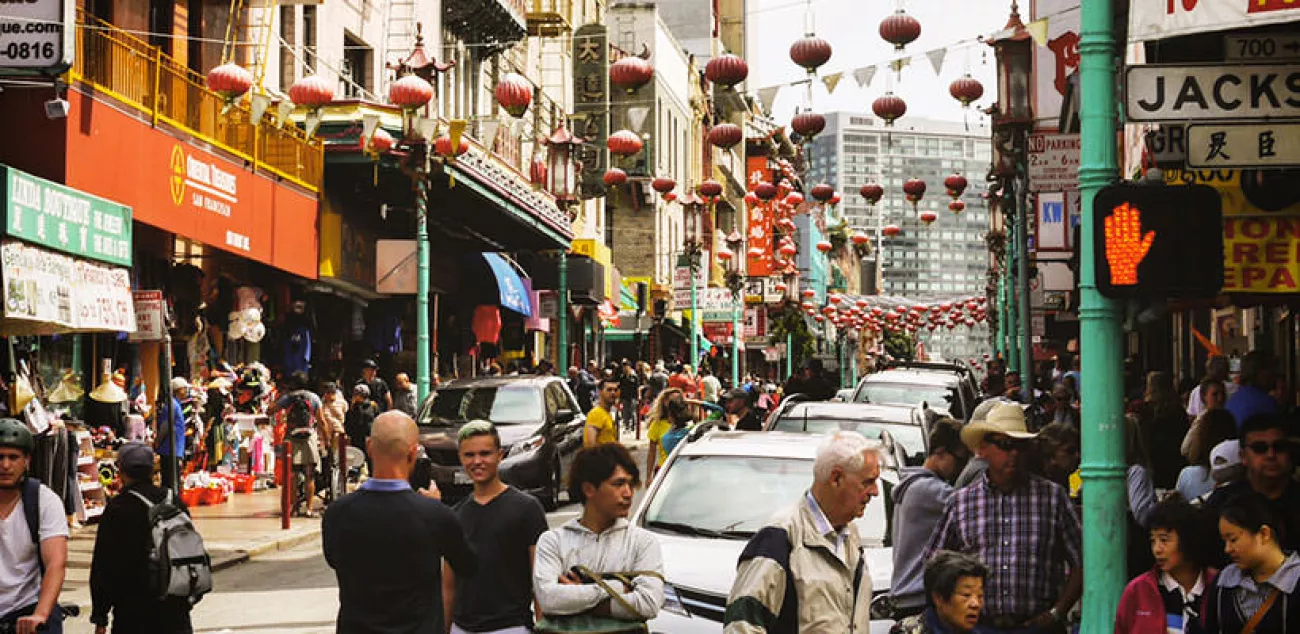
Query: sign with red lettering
(1261, 254)
(1159, 19)
(1054, 62)
(760, 219)
(1158, 242)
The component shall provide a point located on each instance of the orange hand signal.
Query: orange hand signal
(1125, 244)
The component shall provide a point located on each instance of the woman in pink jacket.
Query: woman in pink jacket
(1169, 597)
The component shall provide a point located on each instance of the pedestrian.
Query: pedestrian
(814, 541)
(334, 408)
(581, 384)
(1063, 410)
(360, 417)
(1257, 592)
(740, 412)
(681, 379)
(1141, 496)
(404, 394)
(660, 424)
(954, 592)
(1021, 525)
(1257, 377)
(681, 417)
(1171, 596)
(305, 426)
(710, 386)
(1216, 375)
(656, 382)
(810, 382)
(629, 387)
(33, 539)
(1213, 427)
(1212, 397)
(387, 543)
(170, 438)
(1163, 424)
(600, 428)
(1058, 451)
(920, 499)
(120, 569)
(1225, 468)
(976, 466)
(1266, 452)
(576, 575)
(597, 375)
(502, 524)
(379, 392)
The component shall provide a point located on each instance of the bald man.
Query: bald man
(386, 542)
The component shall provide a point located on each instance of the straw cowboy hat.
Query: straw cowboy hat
(1004, 418)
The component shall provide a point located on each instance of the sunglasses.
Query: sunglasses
(1278, 446)
(1006, 443)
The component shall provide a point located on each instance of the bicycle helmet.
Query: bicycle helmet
(13, 433)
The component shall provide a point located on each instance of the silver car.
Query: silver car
(713, 494)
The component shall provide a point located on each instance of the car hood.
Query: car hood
(709, 565)
(444, 437)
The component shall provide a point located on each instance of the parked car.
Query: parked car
(538, 419)
(904, 430)
(956, 368)
(715, 492)
(945, 392)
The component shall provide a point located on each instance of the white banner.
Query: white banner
(1055, 59)
(149, 320)
(46, 287)
(1149, 20)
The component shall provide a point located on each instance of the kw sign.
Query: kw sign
(1158, 242)
(1189, 93)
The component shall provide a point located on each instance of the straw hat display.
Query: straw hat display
(69, 389)
(109, 391)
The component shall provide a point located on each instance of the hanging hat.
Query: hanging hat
(69, 389)
(1004, 418)
(23, 393)
(109, 392)
(180, 383)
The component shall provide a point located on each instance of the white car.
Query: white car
(714, 492)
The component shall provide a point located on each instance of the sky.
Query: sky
(852, 28)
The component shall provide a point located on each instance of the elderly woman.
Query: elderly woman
(954, 585)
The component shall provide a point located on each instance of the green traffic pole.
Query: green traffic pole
(1022, 273)
(839, 344)
(562, 317)
(1013, 302)
(422, 332)
(1002, 314)
(693, 262)
(735, 340)
(1102, 468)
(789, 354)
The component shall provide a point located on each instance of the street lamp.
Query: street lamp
(736, 284)
(562, 183)
(692, 205)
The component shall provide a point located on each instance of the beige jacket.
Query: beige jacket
(790, 580)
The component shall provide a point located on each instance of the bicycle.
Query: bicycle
(69, 611)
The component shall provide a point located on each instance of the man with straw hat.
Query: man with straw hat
(1020, 524)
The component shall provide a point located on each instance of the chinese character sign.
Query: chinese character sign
(760, 219)
(591, 105)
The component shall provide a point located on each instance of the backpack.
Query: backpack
(179, 565)
(32, 513)
(299, 414)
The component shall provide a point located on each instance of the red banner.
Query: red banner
(760, 219)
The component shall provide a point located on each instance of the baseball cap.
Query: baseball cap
(135, 456)
(734, 392)
(362, 389)
(369, 363)
(1223, 458)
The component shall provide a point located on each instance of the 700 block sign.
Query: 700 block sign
(36, 35)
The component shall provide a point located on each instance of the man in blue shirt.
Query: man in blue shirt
(171, 444)
(1258, 376)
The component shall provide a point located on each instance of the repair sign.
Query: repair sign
(1158, 19)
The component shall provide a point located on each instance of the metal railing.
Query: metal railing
(139, 75)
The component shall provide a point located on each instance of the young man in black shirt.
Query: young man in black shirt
(386, 543)
(503, 524)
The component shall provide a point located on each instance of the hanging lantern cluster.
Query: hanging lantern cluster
(726, 70)
(765, 191)
(889, 107)
(515, 93)
(381, 142)
(810, 53)
(891, 231)
(665, 187)
(928, 217)
(442, 146)
(822, 192)
(956, 185)
(631, 73)
(409, 93)
(956, 206)
(900, 29)
(710, 189)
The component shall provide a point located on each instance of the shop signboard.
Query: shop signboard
(682, 281)
(37, 36)
(1265, 144)
(716, 304)
(1056, 59)
(49, 292)
(1053, 162)
(591, 105)
(761, 220)
(64, 219)
(1150, 20)
(149, 316)
(1171, 93)
(1053, 224)
(755, 322)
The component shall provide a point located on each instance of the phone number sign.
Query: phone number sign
(36, 35)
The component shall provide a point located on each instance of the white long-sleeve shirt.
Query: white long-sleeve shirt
(622, 548)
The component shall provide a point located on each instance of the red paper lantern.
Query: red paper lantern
(808, 124)
(900, 29)
(442, 146)
(537, 171)
(966, 89)
(914, 190)
(794, 199)
(810, 53)
(515, 93)
(779, 287)
(410, 92)
(835, 199)
(755, 253)
(956, 206)
(381, 141)
(615, 177)
(928, 217)
(725, 254)
(312, 91)
(891, 231)
(889, 107)
(822, 192)
(663, 185)
(808, 292)
(859, 238)
(230, 80)
(824, 246)
(631, 73)
(807, 306)
(624, 143)
(765, 191)
(834, 298)
(819, 318)
(670, 196)
(828, 310)
(872, 193)
(751, 199)
(788, 250)
(956, 184)
(709, 188)
(726, 135)
(726, 70)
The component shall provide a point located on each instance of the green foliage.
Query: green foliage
(900, 345)
(791, 321)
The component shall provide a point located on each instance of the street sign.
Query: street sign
(1053, 223)
(1156, 92)
(1167, 144)
(1243, 145)
(1053, 162)
(37, 35)
(1261, 48)
(1155, 241)
(682, 281)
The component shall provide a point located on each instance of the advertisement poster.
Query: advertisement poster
(760, 220)
(1157, 20)
(148, 316)
(1054, 61)
(63, 293)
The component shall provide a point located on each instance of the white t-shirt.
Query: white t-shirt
(20, 574)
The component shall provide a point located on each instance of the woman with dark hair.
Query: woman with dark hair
(1257, 593)
(1141, 498)
(1163, 422)
(954, 589)
(1170, 596)
(1212, 428)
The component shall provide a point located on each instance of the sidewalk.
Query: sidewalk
(246, 525)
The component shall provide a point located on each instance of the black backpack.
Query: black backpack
(299, 415)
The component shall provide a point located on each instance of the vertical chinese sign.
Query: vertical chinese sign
(591, 105)
(760, 219)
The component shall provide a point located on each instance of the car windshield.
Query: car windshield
(501, 404)
(934, 396)
(688, 501)
(911, 437)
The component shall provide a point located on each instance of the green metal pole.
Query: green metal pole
(693, 263)
(422, 333)
(1102, 467)
(1002, 314)
(839, 344)
(562, 318)
(1022, 273)
(1013, 301)
(735, 340)
(789, 354)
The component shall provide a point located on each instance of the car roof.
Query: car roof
(768, 444)
(498, 381)
(848, 411)
(918, 377)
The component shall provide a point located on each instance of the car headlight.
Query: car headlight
(673, 601)
(525, 446)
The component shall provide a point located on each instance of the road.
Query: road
(282, 592)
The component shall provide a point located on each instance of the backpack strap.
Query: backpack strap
(32, 512)
(142, 498)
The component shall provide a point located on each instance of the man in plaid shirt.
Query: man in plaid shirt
(1019, 524)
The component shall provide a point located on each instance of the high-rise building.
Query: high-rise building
(944, 260)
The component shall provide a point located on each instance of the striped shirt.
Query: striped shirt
(1029, 538)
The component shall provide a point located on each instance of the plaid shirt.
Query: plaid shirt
(1028, 538)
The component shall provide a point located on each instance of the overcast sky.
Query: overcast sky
(852, 28)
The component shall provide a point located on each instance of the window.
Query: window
(308, 39)
(356, 67)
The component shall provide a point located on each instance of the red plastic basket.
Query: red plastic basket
(191, 497)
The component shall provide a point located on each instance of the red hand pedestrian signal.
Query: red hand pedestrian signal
(1125, 244)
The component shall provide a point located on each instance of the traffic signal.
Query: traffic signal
(1154, 241)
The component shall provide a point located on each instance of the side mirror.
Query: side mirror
(564, 416)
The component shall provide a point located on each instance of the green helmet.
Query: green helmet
(13, 433)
